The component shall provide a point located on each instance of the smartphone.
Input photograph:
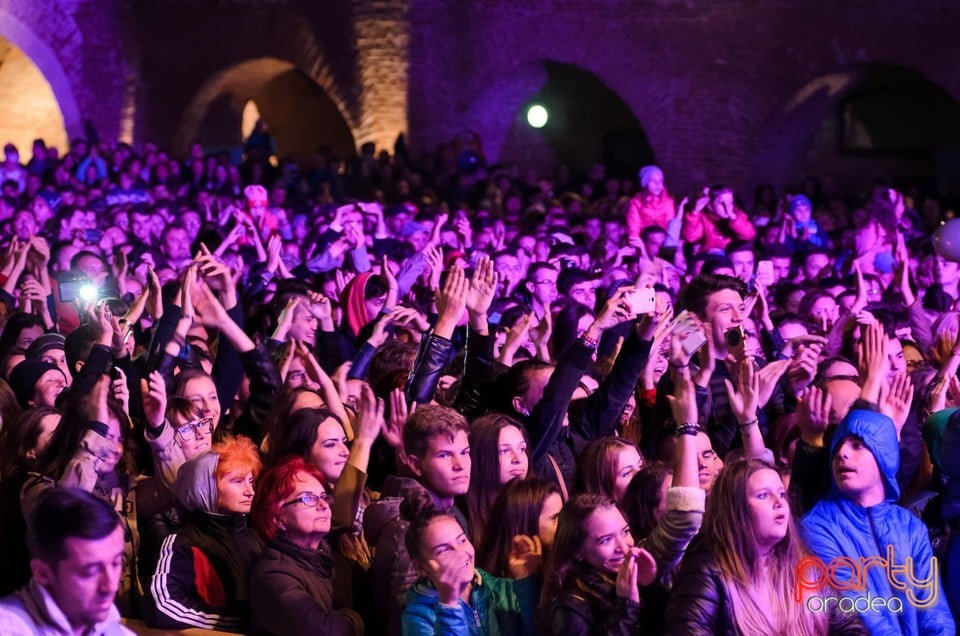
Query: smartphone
(82, 289)
(641, 301)
(734, 336)
(92, 236)
(685, 328)
(765, 272)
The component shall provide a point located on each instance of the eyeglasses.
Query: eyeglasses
(548, 283)
(310, 500)
(192, 429)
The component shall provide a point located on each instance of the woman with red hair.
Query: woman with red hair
(291, 588)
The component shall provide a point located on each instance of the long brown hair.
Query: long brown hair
(569, 541)
(516, 511)
(730, 535)
(485, 468)
(597, 466)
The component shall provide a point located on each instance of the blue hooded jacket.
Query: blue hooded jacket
(838, 527)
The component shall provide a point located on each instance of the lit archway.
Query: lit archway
(867, 121)
(35, 95)
(301, 114)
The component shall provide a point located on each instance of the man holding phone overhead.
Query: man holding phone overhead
(718, 303)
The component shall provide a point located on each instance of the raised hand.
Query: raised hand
(615, 310)
(516, 336)
(393, 288)
(119, 390)
(209, 310)
(392, 430)
(274, 245)
(813, 414)
(638, 568)
(526, 556)
(154, 393)
(379, 334)
(369, 421)
(434, 257)
(896, 399)
(769, 376)
(154, 305)
(450, 571)
(452, 302)
(937, 398)
(745, 397)
(540, 334)
(217, 276)
(683, 402)
(464, 231)
(861, 300)
(322, 309)
(483, 288)
(802, 368)
(872, 360)
(285, 320)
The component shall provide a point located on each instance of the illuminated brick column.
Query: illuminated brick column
(382, 42)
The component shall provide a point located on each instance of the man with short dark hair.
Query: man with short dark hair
(718, 301)
(76, 549)
(542, 287)
(436, 442)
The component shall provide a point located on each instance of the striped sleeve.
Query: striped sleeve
(176, 592)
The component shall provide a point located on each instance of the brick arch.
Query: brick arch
(45, 59)
(495, 108)
(241, 82)
(574, 90)
(786, 137)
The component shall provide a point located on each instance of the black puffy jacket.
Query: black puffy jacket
(292, 593)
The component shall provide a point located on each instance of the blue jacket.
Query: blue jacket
(839, 527)
(498, 607)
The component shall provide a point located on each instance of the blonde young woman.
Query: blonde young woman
(738, 576)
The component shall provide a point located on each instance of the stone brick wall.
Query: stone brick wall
(724, 91)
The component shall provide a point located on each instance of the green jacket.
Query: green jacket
(498, 607)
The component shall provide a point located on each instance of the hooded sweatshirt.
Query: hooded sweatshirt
(839, 528)
(203, 571)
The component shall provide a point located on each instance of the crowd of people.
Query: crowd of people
(388, 396)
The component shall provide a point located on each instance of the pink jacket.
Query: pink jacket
(646, 210)
(715, 234)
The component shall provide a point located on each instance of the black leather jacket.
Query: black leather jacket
(432, 359)
(588, 605)
(699, 604)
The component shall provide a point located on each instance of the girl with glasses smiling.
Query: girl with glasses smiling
(291, 587)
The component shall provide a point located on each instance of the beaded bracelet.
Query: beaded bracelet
(689, 428)
(747, 425)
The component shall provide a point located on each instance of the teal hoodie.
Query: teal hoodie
(837, 527)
